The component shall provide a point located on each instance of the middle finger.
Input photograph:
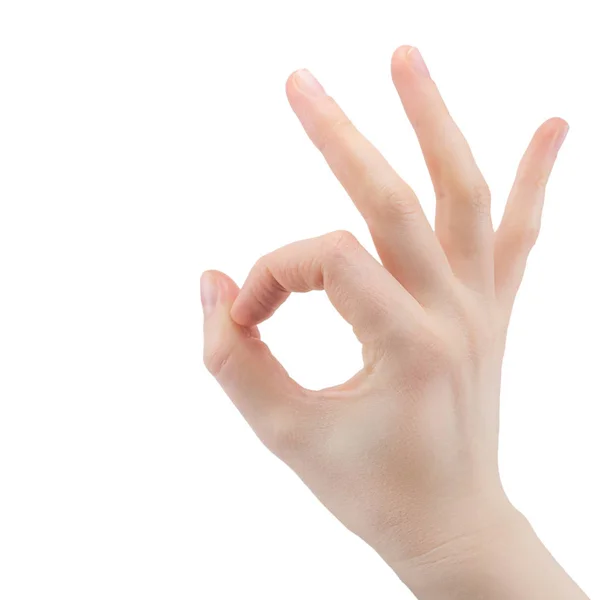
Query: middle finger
(402, 235)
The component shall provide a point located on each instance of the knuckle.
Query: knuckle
(266, 286)
(540, 183)
(394, 203)
(477, 196)
(261, 266)
(524, 237)
(340, 244)
(535, 182)
(480, 197)
(216, 360)
(529, 236)
(332, 134)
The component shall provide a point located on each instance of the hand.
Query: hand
(404, 453)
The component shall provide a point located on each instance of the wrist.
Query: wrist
(465, 554)
(500, 558)
(455, 543)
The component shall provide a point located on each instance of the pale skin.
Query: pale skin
(405, 453)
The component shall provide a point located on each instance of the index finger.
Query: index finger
(361, 289)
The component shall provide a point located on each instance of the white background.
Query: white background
(142, 142)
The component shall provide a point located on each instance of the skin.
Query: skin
(405, 454)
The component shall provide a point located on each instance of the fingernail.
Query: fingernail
(560, 137)
(209, 293)
(307, 83)
(417, 62)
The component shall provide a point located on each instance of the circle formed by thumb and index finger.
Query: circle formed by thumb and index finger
(364, 293)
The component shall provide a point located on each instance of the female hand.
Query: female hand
(404, 453)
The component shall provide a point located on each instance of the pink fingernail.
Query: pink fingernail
(209, 293)
(417, 62)
(307, 83)
(560, 137)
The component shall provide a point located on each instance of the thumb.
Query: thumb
(243, 365)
